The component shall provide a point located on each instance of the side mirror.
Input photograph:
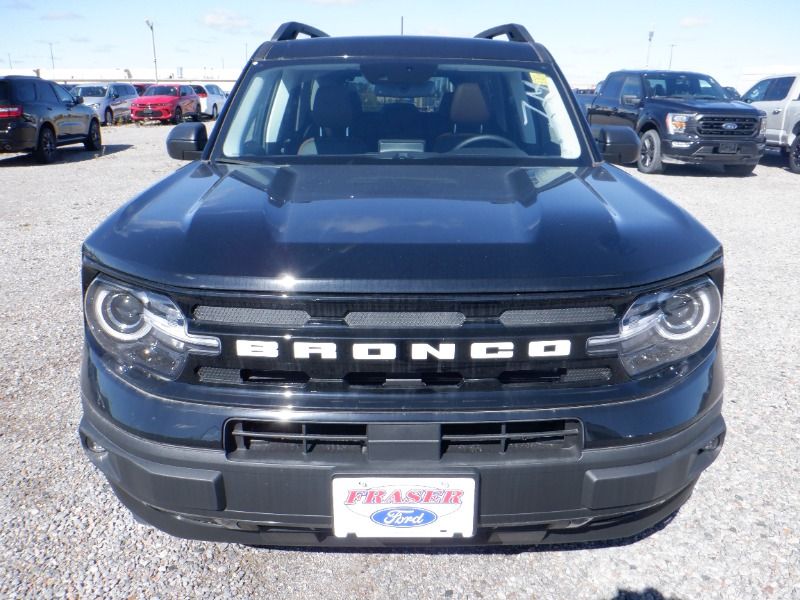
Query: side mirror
(617, 143)
(115, 96)
(187, 141)
(631, 100)
(78, 99)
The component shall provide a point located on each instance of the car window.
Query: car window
(24, 91)
(161, 90)
(89, 91)
(758, 91)
(63, 95)
(612, 86)
(684, 85)
(45, 92)
(419, 109)
(198, 89)
(779, 89)
(632, 87)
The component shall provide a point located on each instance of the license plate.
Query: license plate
(727, 148)
(404, 507)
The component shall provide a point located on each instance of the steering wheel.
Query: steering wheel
(485, 137)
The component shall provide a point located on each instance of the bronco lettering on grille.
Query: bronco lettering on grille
(502, 350)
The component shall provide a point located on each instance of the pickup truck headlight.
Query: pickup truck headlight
(676, 122)
(141, 329)
(762, 126)
(663, 327)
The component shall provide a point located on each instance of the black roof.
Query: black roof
(520, 45)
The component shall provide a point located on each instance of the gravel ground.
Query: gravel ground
(64, 534)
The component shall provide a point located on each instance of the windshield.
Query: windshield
(89, 91)
(383, 109)
(683, 85)
(161, 90)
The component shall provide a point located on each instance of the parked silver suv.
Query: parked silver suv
(779, 97)
(111, 101)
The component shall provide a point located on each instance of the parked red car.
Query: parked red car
(165, 103)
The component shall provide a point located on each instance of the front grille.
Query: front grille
(724, 126)
(384, 380)
(255, 439)
(430, 349)
(247, 439)
(542, 437)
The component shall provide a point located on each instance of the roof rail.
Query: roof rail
(290, 31)
(514, 32)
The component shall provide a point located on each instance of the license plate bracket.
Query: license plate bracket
(404, 506)
(727, 148)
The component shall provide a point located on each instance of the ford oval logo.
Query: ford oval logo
(730, 126)
(403, 517)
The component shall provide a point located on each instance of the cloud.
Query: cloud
(224, 20)
(18, 5)
(692, 22)
(60, 15)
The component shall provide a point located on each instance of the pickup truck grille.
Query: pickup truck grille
(451, 326)
(727, 126)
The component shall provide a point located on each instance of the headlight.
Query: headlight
(662, 328)
(762, 128)
(94, 106)
(676, 122)
(142, 329)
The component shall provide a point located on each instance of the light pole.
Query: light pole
(649, 45)
(671, 48)
(153, 35)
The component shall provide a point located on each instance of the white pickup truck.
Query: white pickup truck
(779, 97)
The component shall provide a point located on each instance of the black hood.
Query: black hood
(699, 105)
(392, 228)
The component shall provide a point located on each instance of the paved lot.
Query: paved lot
(63, 533)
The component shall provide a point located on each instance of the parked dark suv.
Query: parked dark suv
(38, 116)
(400, 299)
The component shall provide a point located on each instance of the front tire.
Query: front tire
(45, 151)
(794, 155)
(650, 154)
(178, 116)
(214, 113)
(93, 140)
(109, 117)
(739, 170)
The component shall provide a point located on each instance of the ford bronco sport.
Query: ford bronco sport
(398, 298)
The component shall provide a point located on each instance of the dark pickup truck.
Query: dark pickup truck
(681, 118)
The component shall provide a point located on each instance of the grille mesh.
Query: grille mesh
(404, 320)
(251, 316)
(558, 316)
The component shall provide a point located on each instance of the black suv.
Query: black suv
(682, 117)
(38, 116)
(401, 299)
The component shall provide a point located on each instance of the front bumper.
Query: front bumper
(707, 150)
(602, 493)
(138, 114)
